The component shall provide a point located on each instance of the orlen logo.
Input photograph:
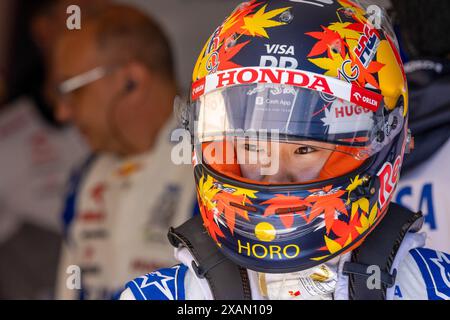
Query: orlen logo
(366, 98)
(198, 88)
(357, 96)
(370, 101)
(388, 180)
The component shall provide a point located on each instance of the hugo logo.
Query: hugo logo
(350, 111)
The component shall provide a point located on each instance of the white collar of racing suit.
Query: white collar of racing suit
(156, 156)
(307, 284)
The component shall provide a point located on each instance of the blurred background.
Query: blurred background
(38, 154)
(30, 219)
(187, 32)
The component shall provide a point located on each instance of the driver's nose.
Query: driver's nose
(284, 174)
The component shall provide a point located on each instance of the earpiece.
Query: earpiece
(130, 85)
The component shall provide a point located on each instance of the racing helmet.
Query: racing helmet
(299, 119)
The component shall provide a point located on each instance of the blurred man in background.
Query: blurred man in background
(36, 156)
(117, 85)
(426, 175)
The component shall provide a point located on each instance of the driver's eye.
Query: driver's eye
(305, 150)
(253, 148)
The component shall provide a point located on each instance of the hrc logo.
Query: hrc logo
(367, 46)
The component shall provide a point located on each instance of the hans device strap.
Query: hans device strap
(379, 249)
(227, 280)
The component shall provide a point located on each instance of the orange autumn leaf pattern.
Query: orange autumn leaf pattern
(367, 75)
(339, 40)
(257, 23)
(346, 232)
(327, 201)
(328, 40)
(361, 220)
(221, 206)
(285, 202)
(250, 19)
(216, 205)
(234, 23)
(206, 190)
(225, 207)
(226, 54)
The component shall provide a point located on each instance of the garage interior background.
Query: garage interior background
(188, 23)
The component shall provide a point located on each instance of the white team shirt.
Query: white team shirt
(35, 164)
(422, 274)
(426, 189)
(123, 210)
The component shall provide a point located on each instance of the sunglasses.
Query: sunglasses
(70, 85)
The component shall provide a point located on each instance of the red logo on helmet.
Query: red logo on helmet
(367, 46)
(388, 180)
(213, 61)
(366, 98)
(268, 75)
(349, 111)
(198, 88)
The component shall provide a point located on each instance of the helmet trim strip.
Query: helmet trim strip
(291, 77)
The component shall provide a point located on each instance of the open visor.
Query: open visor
(277, 133)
